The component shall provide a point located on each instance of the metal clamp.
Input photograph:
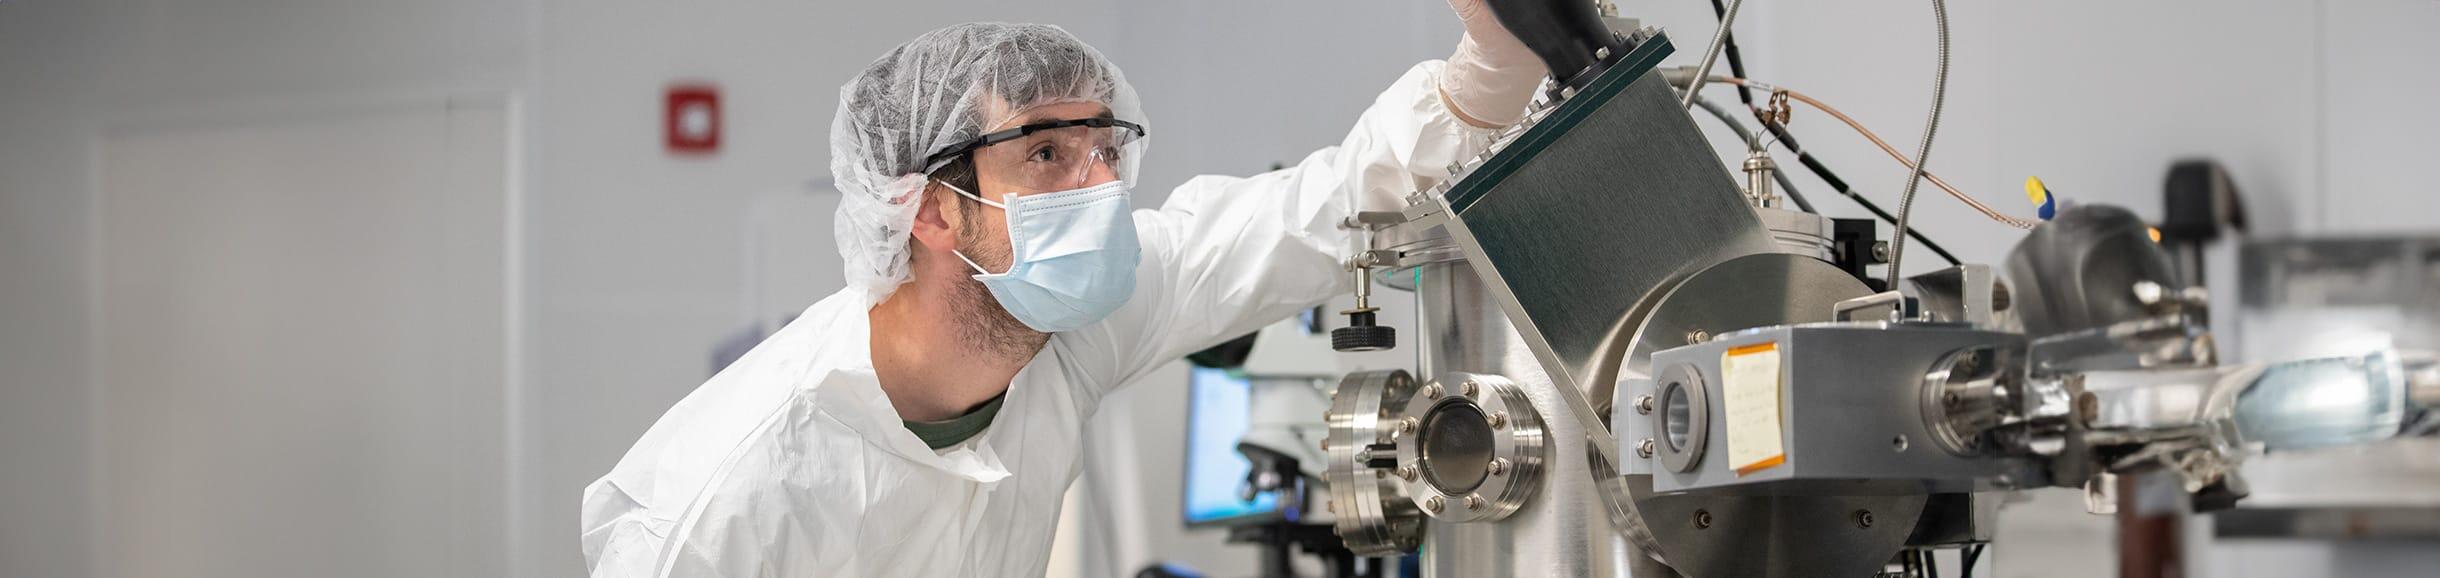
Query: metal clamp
(1373, 515)
(1470, 448)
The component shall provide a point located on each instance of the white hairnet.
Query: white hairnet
(941, 89)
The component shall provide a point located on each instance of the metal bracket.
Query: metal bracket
(1901, 306)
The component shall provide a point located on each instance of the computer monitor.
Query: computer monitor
(1218, 411)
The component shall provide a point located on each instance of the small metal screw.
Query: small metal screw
(1644, 449)
(1863, 518)
(1474, 501)
(1472, 389)
(1643, 404)
(1407, 473)
(1378, 474)
(1602, 53)
(1897, 444)
(1697, 336)
(1702, 519)
(1880, 251)
(1431, 391)
(1434, 504)
(1949, 399)
(1499, 466)
(1499, 420)
(1407, 426)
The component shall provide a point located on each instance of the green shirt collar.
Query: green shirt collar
(956, 430)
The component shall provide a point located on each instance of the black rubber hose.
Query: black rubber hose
(1840, 185)
(1736, 67)
(1736, 61)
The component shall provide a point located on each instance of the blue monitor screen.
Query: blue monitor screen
(1218, 409)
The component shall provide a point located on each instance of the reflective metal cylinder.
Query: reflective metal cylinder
(1798, 232)
(1563, 529)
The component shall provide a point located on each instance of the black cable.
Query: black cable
(1972, 554)
(1840, 185)
(1736, 62)
(1931, 564)
(1736, 67)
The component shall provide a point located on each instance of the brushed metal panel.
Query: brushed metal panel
(1609, 198)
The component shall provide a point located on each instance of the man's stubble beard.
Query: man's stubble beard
(987, 327)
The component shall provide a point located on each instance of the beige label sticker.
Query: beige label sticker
(1750, 380)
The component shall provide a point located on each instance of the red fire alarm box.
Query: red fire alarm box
(690, 123)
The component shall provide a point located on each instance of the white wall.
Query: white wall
(301, 342)
(70, 70)
(2302, 100)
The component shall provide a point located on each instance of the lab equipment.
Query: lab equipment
(1253, 457)
(1628, 366)
(2364, 305)
(1219, 491)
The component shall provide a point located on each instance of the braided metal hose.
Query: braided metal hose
(1906, 201)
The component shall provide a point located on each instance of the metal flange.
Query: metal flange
(1470, 448)
(1963, 396)
(1682, 425)
(1373, 514)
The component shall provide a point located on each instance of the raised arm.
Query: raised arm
(1227, 255)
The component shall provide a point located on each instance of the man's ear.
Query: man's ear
(932, 218)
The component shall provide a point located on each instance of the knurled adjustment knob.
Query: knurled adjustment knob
(1361, 334)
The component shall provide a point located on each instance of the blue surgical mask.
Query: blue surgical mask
(1072, 256)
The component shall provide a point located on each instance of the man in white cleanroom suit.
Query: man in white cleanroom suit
(924, 421)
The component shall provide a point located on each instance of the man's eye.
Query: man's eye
(1046, 153)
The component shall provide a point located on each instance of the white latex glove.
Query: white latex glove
(1492, 76)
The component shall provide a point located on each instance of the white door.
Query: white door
(303, 343)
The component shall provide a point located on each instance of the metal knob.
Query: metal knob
(1361, 334)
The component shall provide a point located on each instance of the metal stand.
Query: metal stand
(1278, 473)
(1278, 538)
(2150, 508)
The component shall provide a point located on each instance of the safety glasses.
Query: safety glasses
(1048, 156)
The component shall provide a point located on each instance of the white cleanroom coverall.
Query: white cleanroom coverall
(792, 462)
